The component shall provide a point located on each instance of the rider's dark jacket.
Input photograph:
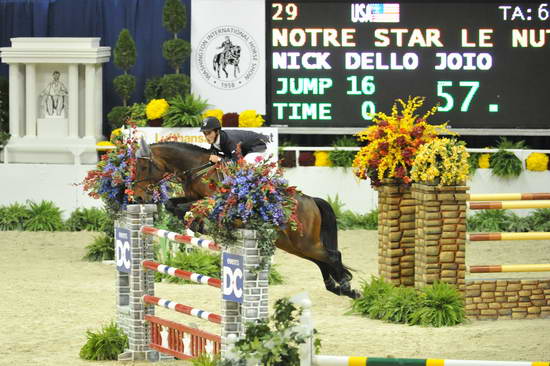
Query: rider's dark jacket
(250, 142)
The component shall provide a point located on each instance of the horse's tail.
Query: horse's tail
(329, 234)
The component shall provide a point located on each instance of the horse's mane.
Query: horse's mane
(183, 146)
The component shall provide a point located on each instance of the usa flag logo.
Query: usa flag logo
(375, 13)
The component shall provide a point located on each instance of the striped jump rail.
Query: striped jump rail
(180, 273)
(509, 197)
(376, 361)
(543, 235)
(509, 268)
(184, 309)
(502, 205)
(180, 238)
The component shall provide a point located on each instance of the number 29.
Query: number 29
(290, 10)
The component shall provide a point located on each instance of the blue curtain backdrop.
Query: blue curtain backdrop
(97, 18)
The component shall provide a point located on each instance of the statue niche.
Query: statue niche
(54, 97)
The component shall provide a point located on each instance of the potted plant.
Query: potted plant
(184, 111)
(393, 141)
(112, 180)
(442, 161)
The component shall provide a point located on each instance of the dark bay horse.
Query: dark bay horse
(317, 242)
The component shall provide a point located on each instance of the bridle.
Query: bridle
(185, 178)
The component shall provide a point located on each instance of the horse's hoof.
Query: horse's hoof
(353, 294)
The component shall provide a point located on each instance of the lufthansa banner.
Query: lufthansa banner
(193, 135)
(228, 53)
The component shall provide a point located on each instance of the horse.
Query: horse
(316, 242)
(228, 57)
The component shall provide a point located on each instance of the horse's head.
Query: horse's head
(149, 171)
(236, 50)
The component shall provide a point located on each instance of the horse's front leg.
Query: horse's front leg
(179, 206)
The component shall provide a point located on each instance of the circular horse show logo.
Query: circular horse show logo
(227, 57)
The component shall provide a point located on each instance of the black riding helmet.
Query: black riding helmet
(210, 123)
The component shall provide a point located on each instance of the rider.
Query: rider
(226, 45)
(225, 142)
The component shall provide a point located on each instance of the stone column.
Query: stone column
(255, 289)
(134, 285)
(32, 100)
(17, 109)
(73, 100)
(396, 233)
(90, 104)
(440, 234)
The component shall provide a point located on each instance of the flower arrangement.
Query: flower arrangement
(250, 118)
(321, 158)
(441, 160)
(251, 196)
(485, 161)
(112, 180)
(230, 120)
(537, 162)
(218, 113)
(393, 141)
(156, 108)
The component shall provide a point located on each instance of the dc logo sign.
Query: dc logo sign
(227, 57)
(123, 255)
(233, 274)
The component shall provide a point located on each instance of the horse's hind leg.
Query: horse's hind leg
(326, 270)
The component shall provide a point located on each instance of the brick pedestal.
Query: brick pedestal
(440, 234)
(396, 233)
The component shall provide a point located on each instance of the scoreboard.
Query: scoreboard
(336, 63)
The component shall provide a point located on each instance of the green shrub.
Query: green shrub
(505, 144)
(43, 216)
(118, 116)
(274, 276)
(152, 89)
(473, 163)
(506, 164)
(206, 360)
(172, 85)
(137, 114)
(102, 248)
(343, 158)
(87, 219)
(272, 341)
(396, 306)
(13, 217)
(348, 220)
(441, 306)
(185, 111)
(539, 220)
(487, 221)
(197, 261)
(124, 86)
(104, 345)
(176, 51)
(377, 288)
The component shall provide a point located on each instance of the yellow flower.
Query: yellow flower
(218, 113)
(537, 162)
(393, 141)
(156, 108)
(442, 159)
(115, 133)
(250, 118)
(484, 161)
(321, 158)
(104, 146)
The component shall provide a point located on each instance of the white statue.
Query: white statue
(54, 96)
